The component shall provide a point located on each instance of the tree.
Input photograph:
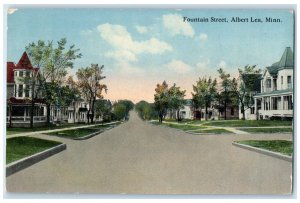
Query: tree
(129, 106)
(161, 99)
(176, 99)
(145, 110)
(52, 63)
(103, 109)
(204, 93)
(226, 87)
(244, 87)
(89, 82)
(119, 110)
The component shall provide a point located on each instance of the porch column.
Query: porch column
(255, 105)
(24, 113)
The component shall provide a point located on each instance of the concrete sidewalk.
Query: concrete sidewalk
(55, 130)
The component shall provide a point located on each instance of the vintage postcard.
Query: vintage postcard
(149, 101)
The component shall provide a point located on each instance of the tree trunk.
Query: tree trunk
(92, 109)
(48, 113)
(243, 111)
(225, 110)
(206, 112)
(10, 114)
(160, 117)
(178, 115)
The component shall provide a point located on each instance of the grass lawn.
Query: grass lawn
(267, 130)
(248, 123)
(11, 131)
(214, 131)
(21, 147)
(75, 133)
(281, 146)
(180, 126)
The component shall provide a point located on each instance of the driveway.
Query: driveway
(140, 158)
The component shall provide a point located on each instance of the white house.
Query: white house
(276, 97)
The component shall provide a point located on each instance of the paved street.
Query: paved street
(140, 158)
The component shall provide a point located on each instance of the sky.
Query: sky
(142, 47)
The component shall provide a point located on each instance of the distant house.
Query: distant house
(276, 97)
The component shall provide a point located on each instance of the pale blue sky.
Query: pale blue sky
(141, 47)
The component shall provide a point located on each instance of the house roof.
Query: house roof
(24, 62)
(286, 62)
(10, 72)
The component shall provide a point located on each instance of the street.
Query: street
(140, 158)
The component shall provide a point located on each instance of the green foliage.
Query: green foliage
(161, 99)
(103, 109)
(176, 99)
(146, 110)
(53, 63)
(119, 110)
(89, 83)
(204, 93)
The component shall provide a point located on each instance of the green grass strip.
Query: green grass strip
(281, 146)
(21, 147)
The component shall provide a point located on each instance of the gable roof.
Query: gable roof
(286, 62)
(24, 62)
(10, 72)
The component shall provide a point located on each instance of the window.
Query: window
(27, 74)
(281, 79)
(268, 85)
(21, 74)
(16, 73)
(252, 110)
(289, 82)
(20, 92)
(26, 92)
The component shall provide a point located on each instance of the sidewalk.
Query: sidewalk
(56, 130)
(235, 130)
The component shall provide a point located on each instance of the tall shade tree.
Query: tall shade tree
(161, 99)
(204, 93)
(226, 88)
(89, 82)
(176, 99)
(244, 87)
(53, 63)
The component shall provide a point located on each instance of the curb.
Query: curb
(88, 136)
(265, 152)
(93, 134)
(29, 161)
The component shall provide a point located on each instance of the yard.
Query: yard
(280, 146)
(75, 133)
(267, 130)
(21, 147)
(243, 123)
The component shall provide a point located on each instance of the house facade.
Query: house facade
(19, 95)
(276, 98)
(19, 100)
